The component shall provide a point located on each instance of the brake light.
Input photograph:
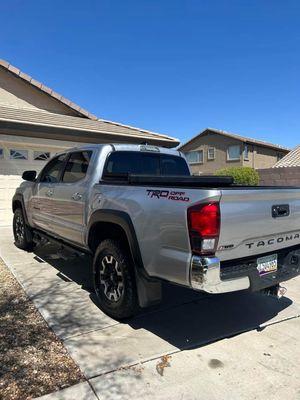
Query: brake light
(204, 227)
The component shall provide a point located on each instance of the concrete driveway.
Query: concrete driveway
(193, 346)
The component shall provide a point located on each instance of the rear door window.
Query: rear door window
(77, 166)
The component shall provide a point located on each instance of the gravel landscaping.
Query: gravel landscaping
(33, 361)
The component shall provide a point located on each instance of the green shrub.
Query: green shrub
(241, 175)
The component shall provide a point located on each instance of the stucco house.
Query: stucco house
(36, 122)
(213, 149)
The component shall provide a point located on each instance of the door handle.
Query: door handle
(77, 196)
(49, 193)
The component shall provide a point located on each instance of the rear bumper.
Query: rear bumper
(210, 275)
(205, 275)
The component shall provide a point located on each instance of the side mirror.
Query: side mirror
(29, 176)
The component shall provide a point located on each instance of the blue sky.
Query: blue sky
(172, 66)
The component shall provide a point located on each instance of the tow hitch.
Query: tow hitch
(276, 291)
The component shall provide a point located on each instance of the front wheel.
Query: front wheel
(114, 280)
(22, 233)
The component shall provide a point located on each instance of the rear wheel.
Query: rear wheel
(22, 233)
(114, 280)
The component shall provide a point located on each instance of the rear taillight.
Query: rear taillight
(204, 227)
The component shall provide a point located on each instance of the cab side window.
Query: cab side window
(52, 171)
(77, 166)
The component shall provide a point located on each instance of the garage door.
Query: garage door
(15, 158)
(18, 154)
(8, 185)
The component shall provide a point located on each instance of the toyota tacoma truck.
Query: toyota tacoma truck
(142, 216)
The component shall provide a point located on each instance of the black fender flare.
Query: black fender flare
(122, 219)
(18, 197)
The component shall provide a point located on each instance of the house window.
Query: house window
(1, 153)
(18, 154)
(279, 156)
(246, 152)
(41, 155)
(233, 153)
(195, 157)
(211, 153)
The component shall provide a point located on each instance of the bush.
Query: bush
(241, 175)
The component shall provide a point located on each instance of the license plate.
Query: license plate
(267, 264)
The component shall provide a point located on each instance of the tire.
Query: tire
(22, 233)
(114, 280)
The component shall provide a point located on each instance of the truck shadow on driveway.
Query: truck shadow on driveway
(185, 319)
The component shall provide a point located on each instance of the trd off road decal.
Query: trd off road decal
(167, 194)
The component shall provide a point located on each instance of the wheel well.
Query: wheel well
(107, 230)
(16, 204)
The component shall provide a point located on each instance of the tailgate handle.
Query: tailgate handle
(282, 210)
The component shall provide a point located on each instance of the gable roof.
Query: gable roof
(238, 137)
(89, 123)
(292, 159)
(45, 89)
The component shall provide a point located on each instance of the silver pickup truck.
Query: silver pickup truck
(145, 219)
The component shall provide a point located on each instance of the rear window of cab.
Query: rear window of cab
(138, 163)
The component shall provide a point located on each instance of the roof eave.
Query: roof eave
(163, 141)
(46, 90)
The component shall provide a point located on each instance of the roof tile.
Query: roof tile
(4, 63)
(25, 76)
(46, 89)
(38, 118)
(56, 95)
(66, 101)
(14, 69)
(36, 83)
(292, 159)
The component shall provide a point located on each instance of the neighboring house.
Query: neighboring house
(213, 149)
(36, 123)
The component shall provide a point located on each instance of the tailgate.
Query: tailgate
(251, 226)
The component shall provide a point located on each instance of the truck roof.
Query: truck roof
(126, 147)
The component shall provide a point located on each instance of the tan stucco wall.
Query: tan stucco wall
(251, 157)
(264, 157)
(220, 143)
(258, 156)
(15, 92)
